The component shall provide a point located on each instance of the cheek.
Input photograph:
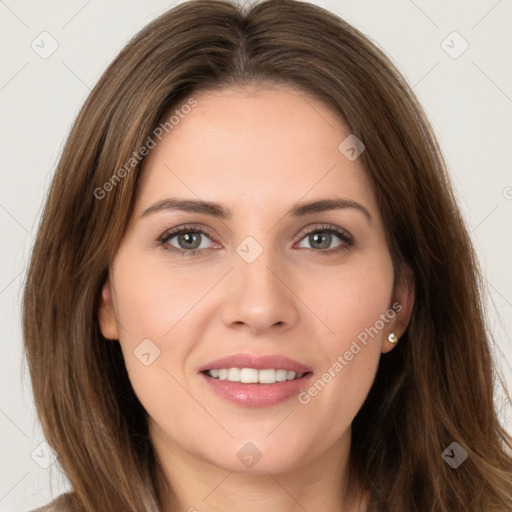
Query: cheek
(156, 307)
(351, 300)
(353, 305)
(153, 298)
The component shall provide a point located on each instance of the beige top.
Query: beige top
(59, 504)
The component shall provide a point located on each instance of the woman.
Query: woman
(252, 287)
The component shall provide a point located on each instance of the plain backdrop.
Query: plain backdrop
(462, 79)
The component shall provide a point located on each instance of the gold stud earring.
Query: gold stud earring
(392, 338)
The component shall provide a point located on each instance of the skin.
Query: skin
(257, 151)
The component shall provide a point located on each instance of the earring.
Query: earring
(392, 338)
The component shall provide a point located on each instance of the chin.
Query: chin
(261, 455)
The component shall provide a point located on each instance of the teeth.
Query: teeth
(266, 376)
(247, 376)
(281, 375)
(253, 376)
(233, 374)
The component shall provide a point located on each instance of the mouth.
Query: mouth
(249, 380)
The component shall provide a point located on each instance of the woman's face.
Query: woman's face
(279, 290)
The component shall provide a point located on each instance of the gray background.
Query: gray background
(468, 98)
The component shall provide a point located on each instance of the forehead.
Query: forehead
(253, 146)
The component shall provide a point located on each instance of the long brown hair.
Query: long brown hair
(436, 387)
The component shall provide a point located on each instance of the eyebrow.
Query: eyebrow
(219, 211)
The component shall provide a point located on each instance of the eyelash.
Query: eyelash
(346, 238)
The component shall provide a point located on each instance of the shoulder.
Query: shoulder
(60, 504)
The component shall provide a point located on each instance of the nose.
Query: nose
(260, 297)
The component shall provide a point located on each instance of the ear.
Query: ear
(402, 303)
(106, 313)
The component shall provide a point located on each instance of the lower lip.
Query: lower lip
(257, 395)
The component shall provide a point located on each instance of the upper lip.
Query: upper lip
(258, 362)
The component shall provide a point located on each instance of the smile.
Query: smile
(255, 380)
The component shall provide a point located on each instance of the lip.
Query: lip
(256, 395)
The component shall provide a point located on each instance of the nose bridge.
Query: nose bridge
(257, 269)
(258, 295)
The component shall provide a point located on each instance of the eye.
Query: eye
(322, 237)
(188, 241)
